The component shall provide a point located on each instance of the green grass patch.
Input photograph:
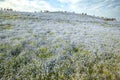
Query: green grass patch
(43, 49)
(45, 55)
(5, 26)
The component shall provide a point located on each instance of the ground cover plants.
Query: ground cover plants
(45, 46)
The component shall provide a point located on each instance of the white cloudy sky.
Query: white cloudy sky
(106, 8)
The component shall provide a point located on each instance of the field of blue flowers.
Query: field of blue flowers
(58, 46)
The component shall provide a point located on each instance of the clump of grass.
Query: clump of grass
(5, 26)
(45, 55)
(4, 47)
(51, 33)
(16, 50)
(63, 52)
(9, 16)
(17, 39)
(57, 46)
(43, 49)
(75, 49)
(35, 35)
(2, 55)
(11, 50)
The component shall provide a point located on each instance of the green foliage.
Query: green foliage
(34, 35)
(44, 55)
(64, 52)
(16, 50)
(8, 16)
(4, 47)
(51, 33)
(43, 49)
(5, 26)
(78, 65)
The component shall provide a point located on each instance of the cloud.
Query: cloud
(69, 1)
(106, 8)
(26, 5)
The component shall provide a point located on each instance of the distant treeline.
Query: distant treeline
(109, 19)
(46, 11)
(6, 9)
(104, 18)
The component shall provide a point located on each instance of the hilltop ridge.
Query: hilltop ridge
(62, 15)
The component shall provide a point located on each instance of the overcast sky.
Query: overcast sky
(106, 8)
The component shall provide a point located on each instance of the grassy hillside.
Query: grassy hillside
(58, 46)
